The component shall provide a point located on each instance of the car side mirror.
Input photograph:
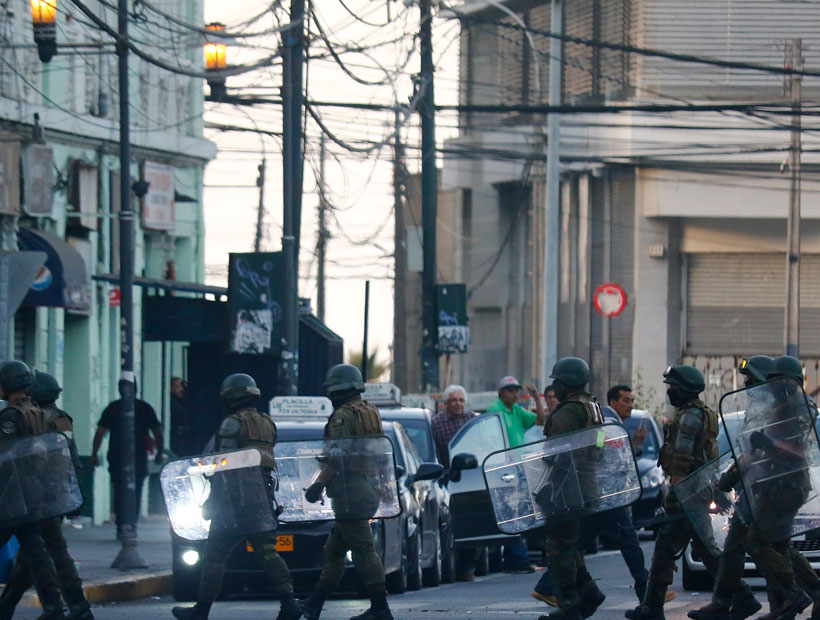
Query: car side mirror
(399, 471)
(464, 461)
(428, 471)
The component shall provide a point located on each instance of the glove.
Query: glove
(760, 441)
(727, 481)
(314, 492)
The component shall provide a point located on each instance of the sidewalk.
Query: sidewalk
(95, 547)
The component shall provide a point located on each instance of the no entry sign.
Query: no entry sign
(609, 299)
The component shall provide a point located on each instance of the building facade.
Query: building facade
(685, 209)
(59, 191)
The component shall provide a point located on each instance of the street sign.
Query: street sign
(382, 393)
(318, 406)
(609, 299)
(114, 299)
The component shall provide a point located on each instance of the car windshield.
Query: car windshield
(419, 432)
(650, 444)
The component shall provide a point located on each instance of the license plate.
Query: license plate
(283, 543)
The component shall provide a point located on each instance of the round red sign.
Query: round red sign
(609, 299)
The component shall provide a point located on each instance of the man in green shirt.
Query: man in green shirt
(517, 420)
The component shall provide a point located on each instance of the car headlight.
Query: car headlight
(190, 557)
(652, 478)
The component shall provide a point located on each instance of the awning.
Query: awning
(63, 281)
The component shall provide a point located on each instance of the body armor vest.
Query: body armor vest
(594, 415)
(706, 444)
(58, 420)
(31, 418)
(257, 431)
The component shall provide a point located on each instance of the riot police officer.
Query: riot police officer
(22, 418)
(352, 417)
(244, 427)
(577, 594)
(691, 442)
(44, 392)
(732, 599)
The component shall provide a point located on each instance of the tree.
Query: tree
(376, 368)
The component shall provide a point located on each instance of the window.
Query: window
(479, 437)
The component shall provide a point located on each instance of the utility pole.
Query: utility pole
(399, 367)
(321, 242)
(552, 196)
(429, 204)
(366, 323)
(792, 327)
(260, 214)
(293, 51)
(129, 556)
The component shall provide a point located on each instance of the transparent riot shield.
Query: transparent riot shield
(711, 510)
(774, 442)
(566, 477)
(360, 474)
(225, 494)
(37, 479)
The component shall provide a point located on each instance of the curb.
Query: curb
(125, 588)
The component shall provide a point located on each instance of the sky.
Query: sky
(358, 185)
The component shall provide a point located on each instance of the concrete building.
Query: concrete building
(59, 191)
(685, 210)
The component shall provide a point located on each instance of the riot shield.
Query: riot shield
(361, 472)
(225, 494)
(565, 477)
(37, 479)
(710, 510)
(771, 432)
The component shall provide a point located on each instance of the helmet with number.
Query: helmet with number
(344, 378)
(45, 388)
(238, 386)
(757, 367)
(786, 366)
(687, 378)
(15, 375)
(571, 371)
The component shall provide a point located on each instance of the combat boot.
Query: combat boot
(591, 599)
(745, 606)
(80, 613)
(6, 611)
(645, 612)
(311, 610)
(52, 613)
(374, 614)
(289, 608)
(793, 605)
(815, 611)
(189, 613)
(712, 611)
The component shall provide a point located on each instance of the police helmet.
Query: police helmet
(344, 378)
(786, 366)
(687, 378)
(238, 385)
(571, 371)
(14, 376)
(757, 367)
(45, 388)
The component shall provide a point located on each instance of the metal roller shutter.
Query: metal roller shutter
(735, 304)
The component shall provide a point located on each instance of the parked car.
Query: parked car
(410, 545)
(417, 423)
(653, 481)
(695, 575)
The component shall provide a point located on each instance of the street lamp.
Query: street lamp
(44, 20)
(215, 62)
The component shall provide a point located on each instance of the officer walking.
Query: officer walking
(352, 417)
(22, 418)
(244, 427)
(691, 442)
(44, 392)
(577, 594)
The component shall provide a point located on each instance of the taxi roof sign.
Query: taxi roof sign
(307, 406)
(382, 394)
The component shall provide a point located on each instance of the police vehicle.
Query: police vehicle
(409, 544)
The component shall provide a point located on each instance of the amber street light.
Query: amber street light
(44, 20)
(215, 62)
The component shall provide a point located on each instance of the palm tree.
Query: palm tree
(376, 369)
